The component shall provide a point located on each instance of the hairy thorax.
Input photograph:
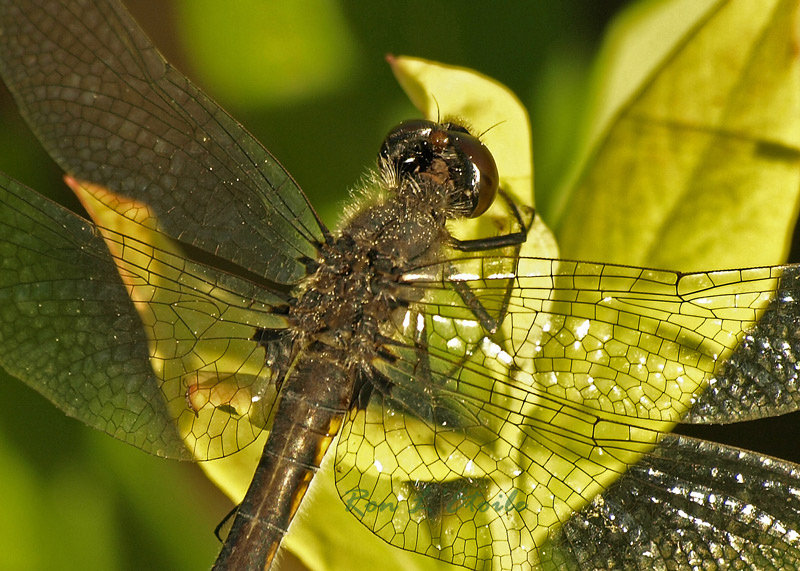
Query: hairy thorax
(345, 304)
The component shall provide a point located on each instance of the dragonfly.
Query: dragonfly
(493, 409)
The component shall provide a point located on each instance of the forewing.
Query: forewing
(526, 427)
(111, 111)
(152, 348)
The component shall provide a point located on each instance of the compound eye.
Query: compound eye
(412, 127)
(407, 146)
(485, 176)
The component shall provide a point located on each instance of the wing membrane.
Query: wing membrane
(761, 377)
(687, 501)
(68, 327)
(592, 366)
(156, 350)
(110, 110)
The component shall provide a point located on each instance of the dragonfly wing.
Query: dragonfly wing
(128, 335)
(68, 326)
(687, 502)
(111, 111)
(510, 433)
(761, 378)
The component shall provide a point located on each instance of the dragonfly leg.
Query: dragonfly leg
(474, 304)
(512, 239)
(420, 393)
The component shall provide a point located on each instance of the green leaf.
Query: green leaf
(696, 142)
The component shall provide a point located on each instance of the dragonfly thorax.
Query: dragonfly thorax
(430, 173)
(354, 287)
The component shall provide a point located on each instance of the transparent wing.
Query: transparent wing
(478, 448)
(111, 111)
(128, 335)
(761, 377)
(689, 504)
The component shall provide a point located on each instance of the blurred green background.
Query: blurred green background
(310, 81)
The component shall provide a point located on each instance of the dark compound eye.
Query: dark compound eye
(486, 178)
(415, 146)
(409, 148)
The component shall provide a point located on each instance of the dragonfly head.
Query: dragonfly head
(450, 157)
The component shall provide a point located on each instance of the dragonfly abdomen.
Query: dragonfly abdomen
(314, 398)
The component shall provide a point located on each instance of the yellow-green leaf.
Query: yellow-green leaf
(697, 143)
